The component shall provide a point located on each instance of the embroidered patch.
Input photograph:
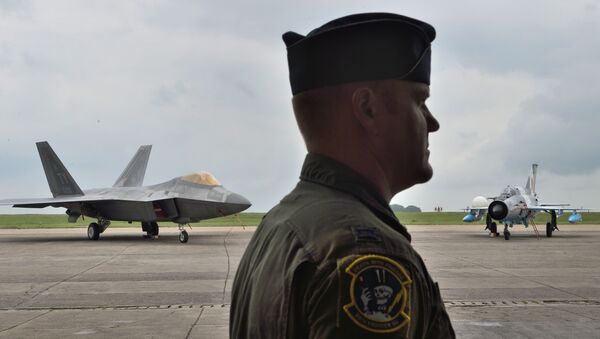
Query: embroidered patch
(366, 234)
(378, 294)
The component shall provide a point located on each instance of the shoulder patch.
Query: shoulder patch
(378, 291)
(366, 234)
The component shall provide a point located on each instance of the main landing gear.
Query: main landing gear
(506, 232)
(95, 229)
(151, 229)
(552, 225)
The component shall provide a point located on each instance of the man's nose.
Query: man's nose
(432, 123)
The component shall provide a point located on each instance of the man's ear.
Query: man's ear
(364, 107)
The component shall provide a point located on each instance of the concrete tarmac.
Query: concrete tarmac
(56, 283)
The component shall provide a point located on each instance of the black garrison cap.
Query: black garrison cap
(360, 47)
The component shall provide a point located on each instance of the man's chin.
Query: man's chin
(424, 174)
(413, 176)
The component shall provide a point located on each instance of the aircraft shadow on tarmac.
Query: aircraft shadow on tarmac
(206, 239)
(530, 236)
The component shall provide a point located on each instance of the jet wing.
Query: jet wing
(105, 196)
(45, 202)
(556, 208)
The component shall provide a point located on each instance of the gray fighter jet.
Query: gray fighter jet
(182, 200)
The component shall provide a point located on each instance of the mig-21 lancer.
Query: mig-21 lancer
(518, 205)
(181, 200)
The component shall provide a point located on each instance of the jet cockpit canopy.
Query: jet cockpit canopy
(202, 178)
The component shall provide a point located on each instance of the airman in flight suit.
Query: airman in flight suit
(331, 260)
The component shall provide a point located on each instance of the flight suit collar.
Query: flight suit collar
(326, 171)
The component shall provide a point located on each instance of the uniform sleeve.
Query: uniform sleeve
(297, 326)
(368, 296)
(440, 326)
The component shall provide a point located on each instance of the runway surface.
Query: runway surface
(56, 283)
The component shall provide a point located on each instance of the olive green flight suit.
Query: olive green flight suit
(331, 260)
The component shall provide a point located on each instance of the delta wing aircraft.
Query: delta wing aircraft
(181, 200)
(518, 205)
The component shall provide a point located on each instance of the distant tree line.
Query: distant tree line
(409, 208)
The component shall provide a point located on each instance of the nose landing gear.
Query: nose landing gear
(183, 234)
(491, 226)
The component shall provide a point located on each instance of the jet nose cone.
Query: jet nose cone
(237, 199)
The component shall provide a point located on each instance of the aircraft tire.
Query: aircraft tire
(493, 228)
(506, 235)
(183, 237)
(93, 232)
(152, 229)
(549, 229)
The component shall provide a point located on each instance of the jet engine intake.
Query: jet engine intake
(498, 210)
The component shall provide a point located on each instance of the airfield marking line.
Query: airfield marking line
(115, 307)
(552, 287)
(194, 324)
(25, 322)
(73, 276)
(515, 276)
(228, 264)
(448, 303)
(578, 314)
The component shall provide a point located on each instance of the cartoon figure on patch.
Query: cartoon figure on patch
(379, 311)
(378, 294)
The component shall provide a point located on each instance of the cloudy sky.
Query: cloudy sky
(205, 82)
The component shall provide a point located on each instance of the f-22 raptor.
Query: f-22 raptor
(182, 200)
(518, 205)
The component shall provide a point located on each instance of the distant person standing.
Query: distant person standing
(331, 260)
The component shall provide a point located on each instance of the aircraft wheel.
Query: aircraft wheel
(183, 237)
(93, 231)
(506, 235)
(493, 228)
(549, 229)
(152, 230)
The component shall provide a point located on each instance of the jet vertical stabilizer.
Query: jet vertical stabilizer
(533, 176)
(530, 186)
(133, 175)
(60, 181)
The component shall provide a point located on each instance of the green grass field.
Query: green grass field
(455, 218)
(22, 221)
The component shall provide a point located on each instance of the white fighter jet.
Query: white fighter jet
(518, 205)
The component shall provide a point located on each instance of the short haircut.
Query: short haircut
(316, 111)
